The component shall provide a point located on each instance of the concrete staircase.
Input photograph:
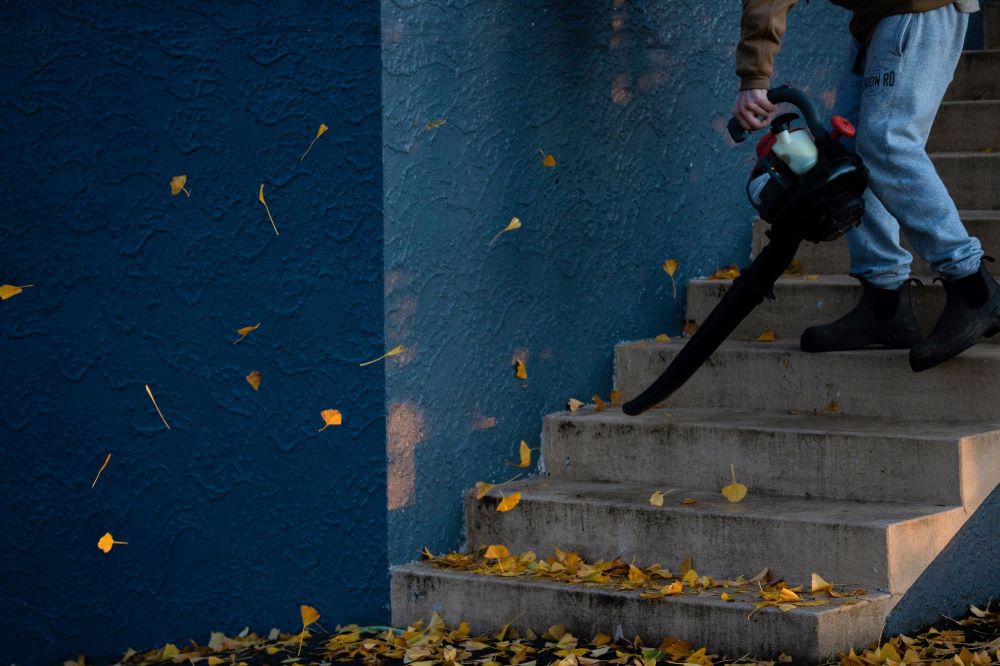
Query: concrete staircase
(858, 469)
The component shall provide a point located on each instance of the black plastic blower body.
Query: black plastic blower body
(804, 194)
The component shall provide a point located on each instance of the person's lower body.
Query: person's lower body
(907, 67)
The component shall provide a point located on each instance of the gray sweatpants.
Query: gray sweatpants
(907, 68)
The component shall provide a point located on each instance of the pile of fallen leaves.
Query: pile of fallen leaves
(973, 641)
(652, 582)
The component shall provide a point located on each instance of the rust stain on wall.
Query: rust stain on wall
(405, 429)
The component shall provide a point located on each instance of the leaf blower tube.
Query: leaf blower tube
(806, 188)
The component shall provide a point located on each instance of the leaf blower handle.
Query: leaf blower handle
(793, 96)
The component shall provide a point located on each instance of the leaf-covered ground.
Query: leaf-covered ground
(971, 641)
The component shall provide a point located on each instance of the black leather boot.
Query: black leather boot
(884, 319)
(971, 311)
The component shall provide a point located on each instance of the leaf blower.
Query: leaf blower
(806, 185)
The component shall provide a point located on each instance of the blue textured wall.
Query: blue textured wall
(631, 98)
(243, 510)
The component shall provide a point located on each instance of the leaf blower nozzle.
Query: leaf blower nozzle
(808, 186)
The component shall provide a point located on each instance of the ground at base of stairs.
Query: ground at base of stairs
(971, 641)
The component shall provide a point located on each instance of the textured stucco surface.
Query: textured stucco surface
(242, 511)
(631, 98)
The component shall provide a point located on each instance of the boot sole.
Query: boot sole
(932, 363)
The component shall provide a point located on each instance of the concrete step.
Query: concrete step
(968, 126)
(972, 179)
(487, 603)
(801, 303)
(977, 76)
(991, 24)
(832, 257)
(777, 376)
(829, 456)
(876, 545)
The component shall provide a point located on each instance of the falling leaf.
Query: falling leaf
(525, 455)
(656, 499)
(509, 502)
(729, 273)
(662, 337)
(309, 615)
(330, 417)
(107, 542)
(245, 331)
(101, 470)
(520, 369)
(320, 132)
(496, 552)
(767, 336)
(9, 290)
(616, 397)
(514, 223)
(690, 327)
(574, 404)
(150, 393)
(398, 349)
(260, 197)
(434, 124)
(482, 488)
(254, 379)
(177, 184)
(689, 501)
(599, 405)
(670, 266)
(734, 492)
(833, 407)
(547, 160)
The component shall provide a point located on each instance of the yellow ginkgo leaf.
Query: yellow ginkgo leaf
(520, 369)
(734, 492)
(320, 132)
(786, 594)
(398, 349)
(599, 405)
(330, 417)
(670, 266)
(496, 552)
(515, 223)
(245, 331)
(107, 542)
(525, 454)
(794, 268)
(637, 575)
(509, 502)
(690, 327)
(767, 336)
(662, 337)
(149, 392)
(309, 615)
(482, 488)
(656, 499)
(169, 651)
(254, 379)
(833, 407)
(616, 397)
(690, 577)
(574, 404)
(260, 198)
(725, 596)
(731, 272)
(434, 124)
(819, 585)
(177, 184)
(547, 160)
(9, 290)
(676, 587)
(106, 460)
(689, 501)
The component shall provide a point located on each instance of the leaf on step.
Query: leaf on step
(496, 552)
(734, 492)
(686, 565)
(731, 272)
(818, 585)
(482, 488)
(638, 576)
(794, 268)
(676, 587)
(833, 407)
(689, 501)
(599, 405)
(690, 327)
(725, 596)
(574, 404)
(509, 502)
(767, 336)
(662, 337)
(616, 397)
(656, 499)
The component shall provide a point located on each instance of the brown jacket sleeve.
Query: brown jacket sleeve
(761, 29)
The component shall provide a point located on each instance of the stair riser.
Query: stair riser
(977, 76)
(723, 627)
(800, 304)
(966, 126)
(832, 258)
(991, 24)
(727, 545)
(799, 463)
(767, 377)
(972, 180)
